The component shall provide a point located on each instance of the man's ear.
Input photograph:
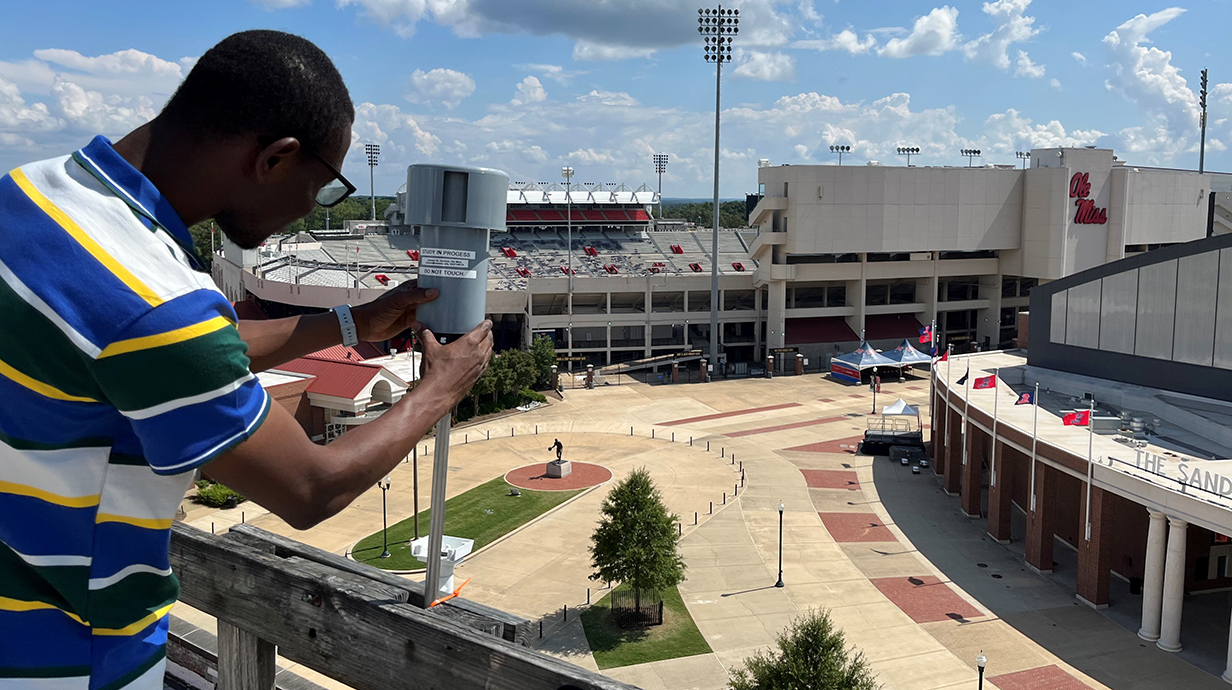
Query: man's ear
(274, 161)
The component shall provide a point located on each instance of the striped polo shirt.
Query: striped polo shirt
(120, 372)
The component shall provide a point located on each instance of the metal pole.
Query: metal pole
(992, 464)
(1202, 115)
(372, 188)
(415, 481)
(780, 582)
(384, 526)
(1034, 437)
(714, 244)
(1090, 464)
(949, 384)
(436, 531)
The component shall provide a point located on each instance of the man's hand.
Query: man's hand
(391, 313)
(459, 364)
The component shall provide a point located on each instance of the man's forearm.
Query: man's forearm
(277, 341)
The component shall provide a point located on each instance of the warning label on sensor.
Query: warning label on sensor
(444, 261)
(445, 272)
(447, 253)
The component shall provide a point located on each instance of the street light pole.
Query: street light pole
(384, 484)
(908, 151)
(1023, 156)
(971, 155)
(840, 150)
(780, 582)
(718, 27)
(567, 173)
(660, 163)
(373, 150)
(980, 661)
(1202, 141)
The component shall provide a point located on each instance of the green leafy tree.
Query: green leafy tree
(355, 208)
(544, 352)
(484, 385)
(522, 364)
(201, 239)
(731, 214)
(636, 541)
(502, 375)
(811, 653)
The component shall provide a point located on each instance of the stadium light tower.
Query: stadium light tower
(567, 173)
(1023, 156)
(908, 151)
(971, 155)
(660, 163)
(718, 27)
(840, 150)
(373, 150)
(1202, 141)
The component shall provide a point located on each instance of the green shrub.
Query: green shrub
(216, 495)
(529, 395)
(811, 653)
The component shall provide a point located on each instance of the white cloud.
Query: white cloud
(397, 132)
(933, 34)
(18, 116)
(808, 12)
(280, 4)
(1008, 132)
(591, 51)
(442, 86)
(529, 90)
(556, 73)
(755, 64)
(844, 40)
(1082, 59)
(1054, 83)
(1025, 68)
(1144, 75)
(1013, 26)
(608, 98)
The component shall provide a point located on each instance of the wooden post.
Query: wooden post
(245, 661)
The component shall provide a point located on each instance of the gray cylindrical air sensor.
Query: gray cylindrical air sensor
(454, 207)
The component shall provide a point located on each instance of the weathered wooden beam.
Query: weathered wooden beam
(464, 611)
(245, 661)
(352, 628)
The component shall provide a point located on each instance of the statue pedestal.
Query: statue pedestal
(560, 468)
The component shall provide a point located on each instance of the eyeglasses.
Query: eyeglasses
(334, 192)
(337, 190)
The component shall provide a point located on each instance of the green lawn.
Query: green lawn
(613, 646)
(485, 513)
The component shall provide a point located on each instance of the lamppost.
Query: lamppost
(660, 163)
(1023, 156)
(384, 484)
(980, 661)
(971, 154)
(567, 173)
(780, 582)
(840, 150)
(373, 150)
(718, 27)
(1202, 115)
(874, 387)
(908, 151)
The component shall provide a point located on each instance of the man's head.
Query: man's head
(277, 104)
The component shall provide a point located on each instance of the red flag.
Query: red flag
(945, 357)
(1082, 418)
(985, 382)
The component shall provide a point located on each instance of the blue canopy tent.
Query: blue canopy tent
(848, 367)
(906, 354)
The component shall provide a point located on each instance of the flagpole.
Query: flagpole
(1090, 463)
(949, 383)
(1034, 437)
(992, 464)
(966, 424)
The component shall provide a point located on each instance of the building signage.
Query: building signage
(844, 372)
(1079, 191)
(1184, 475)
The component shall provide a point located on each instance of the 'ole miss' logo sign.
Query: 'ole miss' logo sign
(1079, 190)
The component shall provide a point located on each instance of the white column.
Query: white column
(1153, 577)
(1227, 673)
(1174, 587)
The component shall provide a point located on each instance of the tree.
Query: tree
(201, 239)
(811, 653)
(522, 364)
(636, 541)
(484, 385)
(731, 213)
(544, 352)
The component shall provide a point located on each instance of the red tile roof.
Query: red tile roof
(338, 378)
(358, 353)
(819, 329)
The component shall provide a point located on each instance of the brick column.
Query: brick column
(1095, 554)
(973, 473)
(953, 455)
(1000, 496)
(1040, 530)
(937, 433)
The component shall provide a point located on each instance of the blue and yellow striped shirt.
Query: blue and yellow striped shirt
(121, 371)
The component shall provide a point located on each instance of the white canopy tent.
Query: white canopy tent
(900, 409)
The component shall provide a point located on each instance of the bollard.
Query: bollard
(707, 446)
(695, 517)
(241, 516)
(466, 438)
(489, 435)
(652, 433)
(541, 628)
(679, 528)
(711, 508)
(690, 441)
(510, 432)
(724, 498)
(742, 467)
(733, 459)
(723, 452)
(564, 614)
(211, 528)
(735, 489)
(673, 437)
(588, 596)
(741, 479)
(536, 429)
(630, 431)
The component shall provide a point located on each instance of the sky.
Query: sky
(527, 86)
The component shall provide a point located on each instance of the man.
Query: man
(123, 368)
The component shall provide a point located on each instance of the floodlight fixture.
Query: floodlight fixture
(971, 154)
(908, 151)
(373, 151)
(840, 150)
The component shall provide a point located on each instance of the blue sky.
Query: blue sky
(529, 85)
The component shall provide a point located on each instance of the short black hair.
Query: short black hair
(263, 82)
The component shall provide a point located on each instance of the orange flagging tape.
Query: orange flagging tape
(450, 596)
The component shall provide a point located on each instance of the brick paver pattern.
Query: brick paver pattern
(536, 477)
(831, 479)
(856, 527)
(925, 599)
(733, 413)
(1043, 678)
(835, 446)
(784, 427)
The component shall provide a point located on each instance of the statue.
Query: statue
(560, 448)
(559, 468)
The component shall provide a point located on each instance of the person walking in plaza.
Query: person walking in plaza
(123, 368)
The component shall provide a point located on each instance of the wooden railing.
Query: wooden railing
(354, 623)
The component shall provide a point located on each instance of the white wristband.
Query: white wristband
(350, 336)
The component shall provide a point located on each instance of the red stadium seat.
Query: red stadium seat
(552, 215)
(594, 216)
(697, 268)
(616, 216)
(523, 216)
(382, 278)
(738, 266)
(413, 253)
(639, 215)
(677, 249)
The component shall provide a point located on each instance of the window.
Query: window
(667, 334)
(699, 300)
(960, 290)
(549, 305)
(589, 337)
(902, 293)
(699, 334)
(628, 336)
(665, 302)
(589, 303)
(809, 297)
(628, 302)
(737, 300)
(1027, 284)
(836, 296)
(876, 294)
(1009, 287)
(1009, 317)
(738, 332)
